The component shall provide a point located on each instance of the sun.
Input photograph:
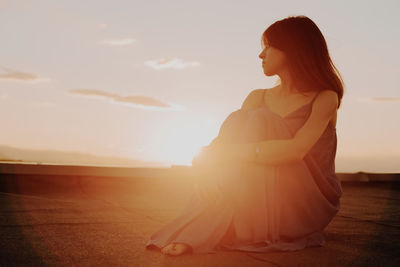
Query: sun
(186, 140)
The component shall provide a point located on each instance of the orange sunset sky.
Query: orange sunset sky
(154, 80)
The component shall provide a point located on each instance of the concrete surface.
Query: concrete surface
(106, 221)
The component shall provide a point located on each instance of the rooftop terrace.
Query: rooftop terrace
(88, 215)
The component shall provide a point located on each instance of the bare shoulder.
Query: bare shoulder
(327, 98)
(325, 107)
(254, 99)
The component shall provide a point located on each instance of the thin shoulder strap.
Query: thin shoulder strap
(316, 95)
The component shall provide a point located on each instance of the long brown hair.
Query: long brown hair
(309, 63)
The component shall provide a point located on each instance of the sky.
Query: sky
(154, 80)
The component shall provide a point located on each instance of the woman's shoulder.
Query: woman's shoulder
(255, 98)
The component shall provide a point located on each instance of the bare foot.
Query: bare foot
(167, 248)
(175, 249)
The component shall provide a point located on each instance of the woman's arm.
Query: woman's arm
(276, 152)
(271, 152)
(294, 149)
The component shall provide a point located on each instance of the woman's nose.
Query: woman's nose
(262, 54)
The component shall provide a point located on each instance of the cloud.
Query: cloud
(169, 62)
(138, 101)
(378, 99)
(118, 42)
(92, 92)
(15, 75)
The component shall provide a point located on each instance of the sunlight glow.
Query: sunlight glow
(186, 139)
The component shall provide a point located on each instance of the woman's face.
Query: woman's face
(273, 60)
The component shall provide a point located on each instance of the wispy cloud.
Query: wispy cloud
(117, 42)
(378, 99)
(137, 101)
(92, 92)
(15, 75)
(174, 63)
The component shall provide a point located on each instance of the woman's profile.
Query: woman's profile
(267, 182)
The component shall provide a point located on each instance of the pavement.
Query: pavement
(48, 220)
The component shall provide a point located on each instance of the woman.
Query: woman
(267, 182)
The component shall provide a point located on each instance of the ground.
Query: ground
(101, 221)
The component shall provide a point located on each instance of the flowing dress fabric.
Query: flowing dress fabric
(264, 208)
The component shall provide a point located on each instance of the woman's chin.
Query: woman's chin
(268, 73)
